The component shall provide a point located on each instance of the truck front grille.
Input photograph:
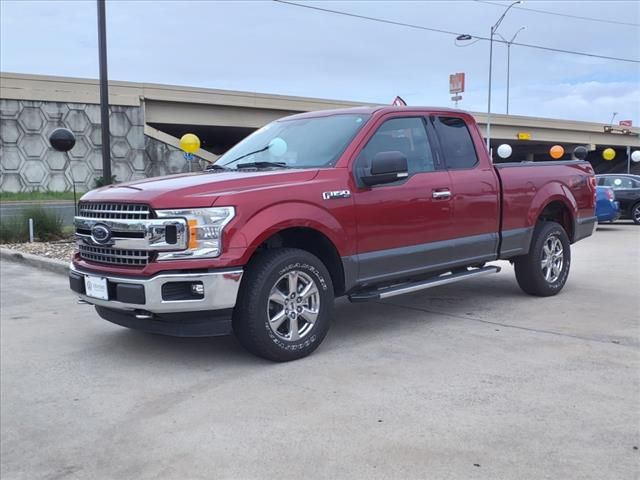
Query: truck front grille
(113, 211)
(113, 255)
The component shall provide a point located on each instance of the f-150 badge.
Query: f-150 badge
(336, 194)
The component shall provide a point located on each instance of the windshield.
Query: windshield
(298, 143)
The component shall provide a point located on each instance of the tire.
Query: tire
(263, 321)
(535, 274)
(635, 213)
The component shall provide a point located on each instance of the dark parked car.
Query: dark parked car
(627, 190)
(607, 209)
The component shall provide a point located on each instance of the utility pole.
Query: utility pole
(104, 93)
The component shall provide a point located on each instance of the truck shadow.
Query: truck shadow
(139, 346)
(352, 323)
(357, 321)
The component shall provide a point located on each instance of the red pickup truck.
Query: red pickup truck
(366, 203)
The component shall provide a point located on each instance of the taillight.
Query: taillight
(593, 183)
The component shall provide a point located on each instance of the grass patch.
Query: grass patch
(26, 196)
(47, 225)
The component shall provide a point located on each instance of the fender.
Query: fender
(289, 214)
(553, 191)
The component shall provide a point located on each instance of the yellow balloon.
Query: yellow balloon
(189, 143)
(609, 154)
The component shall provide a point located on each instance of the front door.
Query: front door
(403, 227)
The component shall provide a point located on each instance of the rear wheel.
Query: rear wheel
(544, 270)
(285, 304)
(635, 213)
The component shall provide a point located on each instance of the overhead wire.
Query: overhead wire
(567, 15)
(449, 32)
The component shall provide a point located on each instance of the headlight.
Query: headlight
(205, 231)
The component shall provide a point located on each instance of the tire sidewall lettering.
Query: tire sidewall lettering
(312, 337)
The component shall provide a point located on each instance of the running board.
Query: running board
(382, 293)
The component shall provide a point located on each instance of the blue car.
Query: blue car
(607, 209)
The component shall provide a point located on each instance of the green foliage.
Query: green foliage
(45, 195)
(47, 225)
(13, 230)
(99, 181)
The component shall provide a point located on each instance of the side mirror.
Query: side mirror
(62, 139)
(387, 167)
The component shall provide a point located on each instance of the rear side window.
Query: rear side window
(619, 183)
(456, 143)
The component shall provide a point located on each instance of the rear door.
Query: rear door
(403, 227)
(475, 191)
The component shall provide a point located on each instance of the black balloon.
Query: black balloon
(580, 152)
(62, 139)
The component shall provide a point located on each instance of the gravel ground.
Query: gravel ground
(59, 250)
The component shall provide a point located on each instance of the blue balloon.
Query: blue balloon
(277, 147)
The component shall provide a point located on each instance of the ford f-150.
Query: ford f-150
(366, 203)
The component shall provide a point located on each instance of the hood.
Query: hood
(201, 189)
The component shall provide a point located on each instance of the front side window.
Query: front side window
(456, 143)
(405, 135)
(312, 142)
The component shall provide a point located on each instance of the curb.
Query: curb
(55, 266)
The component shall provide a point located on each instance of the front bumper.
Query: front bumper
(163, 293)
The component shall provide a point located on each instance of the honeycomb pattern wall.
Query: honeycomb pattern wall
(28, 163)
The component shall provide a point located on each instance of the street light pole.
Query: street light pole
(493, 31)
(509, 62)
(104, 93)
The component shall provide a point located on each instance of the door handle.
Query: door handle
(441, 194)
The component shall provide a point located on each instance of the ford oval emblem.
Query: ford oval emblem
(100, 233)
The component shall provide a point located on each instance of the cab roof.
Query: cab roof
(379, 109)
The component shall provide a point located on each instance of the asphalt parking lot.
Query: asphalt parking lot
(474, 380)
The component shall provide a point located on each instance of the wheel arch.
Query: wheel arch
(310, 240)
(555, 202)
(558, 211)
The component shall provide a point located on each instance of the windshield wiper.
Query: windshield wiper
(215, 166)
(262, 165)
(247, 154)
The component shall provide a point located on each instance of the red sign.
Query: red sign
(399, 102)
(626, 123)
(456, 83)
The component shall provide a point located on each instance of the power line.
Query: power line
(568, 15)
(449, 32)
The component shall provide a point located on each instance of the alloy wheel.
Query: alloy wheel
(293, 306)
(552, 259)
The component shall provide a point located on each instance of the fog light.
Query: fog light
(197, 288)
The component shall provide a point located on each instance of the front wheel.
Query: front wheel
(544, 270)
(284, 308)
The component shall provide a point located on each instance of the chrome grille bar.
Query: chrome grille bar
(114, 256)
(112, 211)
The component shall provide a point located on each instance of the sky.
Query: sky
(270, 47)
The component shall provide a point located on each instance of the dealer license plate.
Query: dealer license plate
(96, 287)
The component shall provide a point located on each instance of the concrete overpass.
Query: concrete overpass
(223, 117)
